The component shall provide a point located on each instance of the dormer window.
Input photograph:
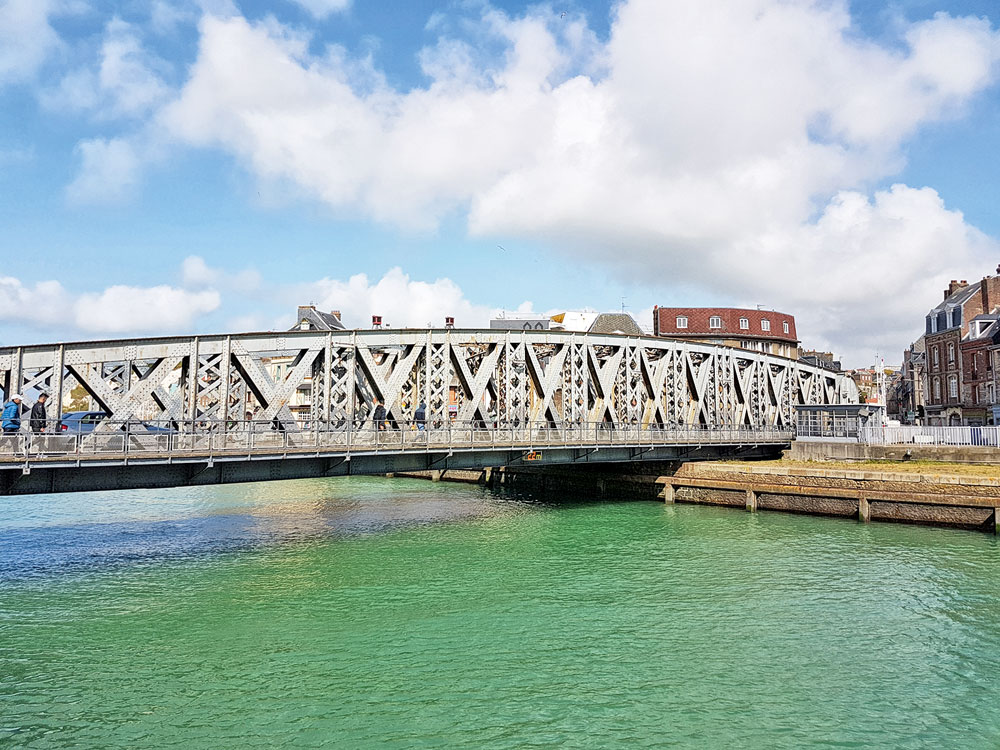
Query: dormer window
(715, 322)
(744, 324)
(765, 325)
(682, 321)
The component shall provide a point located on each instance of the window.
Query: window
(951, 353)
(932, 324)
(784, 326)
(744, 324)
(765, 325)
(682, 321)
(953, 386)
(937, 389)
(715, 322)
(937, 357)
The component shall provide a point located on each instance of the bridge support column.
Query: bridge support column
(436, 475)
(996, 520)
(864, 511)
(667, 493)
(751, 501)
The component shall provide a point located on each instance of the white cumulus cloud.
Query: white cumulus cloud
(109, 168)
(27, 39)
(399, 299)
(122, 309)
(124, 82)
(195, 272)
(41, 304)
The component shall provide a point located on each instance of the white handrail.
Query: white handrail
(156, 440)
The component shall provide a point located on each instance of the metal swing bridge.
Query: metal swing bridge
(260, 406)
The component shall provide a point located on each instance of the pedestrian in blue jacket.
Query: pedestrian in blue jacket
(11, 419)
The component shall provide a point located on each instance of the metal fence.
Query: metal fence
(905, 435)
(151, 440)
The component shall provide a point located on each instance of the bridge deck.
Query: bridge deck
(122, 447)
(121, 460)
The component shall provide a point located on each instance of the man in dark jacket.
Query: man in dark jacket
(38, 420)
(379, 416)
(420, 415)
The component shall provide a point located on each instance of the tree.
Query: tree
(79, 400)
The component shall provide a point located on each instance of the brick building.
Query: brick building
(957, 352)
(757, 330)
(977, 387)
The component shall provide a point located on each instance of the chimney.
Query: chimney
(335, 313)
(954, 286)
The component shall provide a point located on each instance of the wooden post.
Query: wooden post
(751, 501)
(996, 520)
(864, 511)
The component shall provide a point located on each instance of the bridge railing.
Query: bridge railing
(929, 435)
(136, 439)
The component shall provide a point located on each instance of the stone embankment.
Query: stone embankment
(929, 495)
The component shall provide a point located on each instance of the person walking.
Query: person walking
(420, 416)
(378, 417)
(11, 418)
(37, 421)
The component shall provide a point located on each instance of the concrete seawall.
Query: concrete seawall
(928, 497)
(831, 450)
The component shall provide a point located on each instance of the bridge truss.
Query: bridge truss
(496, 377)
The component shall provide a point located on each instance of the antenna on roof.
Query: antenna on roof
(623, 304)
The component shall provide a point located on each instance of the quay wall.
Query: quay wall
(929, 496)
(960, 501)
(831, 450)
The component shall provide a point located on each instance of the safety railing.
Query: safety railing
(916, 435)
(164, 440)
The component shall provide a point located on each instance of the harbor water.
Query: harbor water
(394, 613)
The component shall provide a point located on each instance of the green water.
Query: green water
(396, 614)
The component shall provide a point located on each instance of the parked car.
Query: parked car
(84, 422)
(81, 422)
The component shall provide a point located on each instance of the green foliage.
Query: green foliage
(79, 400)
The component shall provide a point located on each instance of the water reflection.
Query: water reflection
(47, 534)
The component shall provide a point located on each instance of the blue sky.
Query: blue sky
(204, 165)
